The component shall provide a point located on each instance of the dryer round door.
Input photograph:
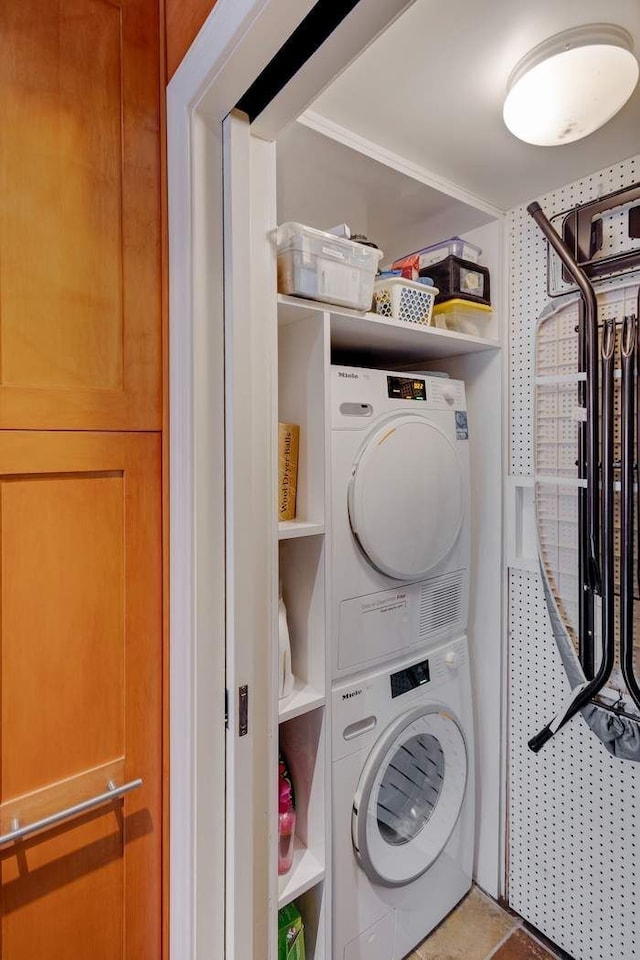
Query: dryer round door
(406, 497)
(409, 796)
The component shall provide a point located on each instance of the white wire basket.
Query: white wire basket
(404, 300)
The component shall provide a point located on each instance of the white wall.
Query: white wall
(482, 374)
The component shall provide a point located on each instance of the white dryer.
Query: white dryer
(403, 803)
(400, 514)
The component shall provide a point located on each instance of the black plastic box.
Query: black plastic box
(463, 279)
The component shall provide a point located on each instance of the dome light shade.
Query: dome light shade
(571, 85)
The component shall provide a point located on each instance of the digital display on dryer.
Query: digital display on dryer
(408, 679)
(406, 388)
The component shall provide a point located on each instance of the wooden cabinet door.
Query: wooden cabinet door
(80, 689)
(80, 321)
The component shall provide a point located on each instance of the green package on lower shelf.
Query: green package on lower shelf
(290, 934)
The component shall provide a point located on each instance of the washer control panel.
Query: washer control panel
(362, 707)
(408, 679)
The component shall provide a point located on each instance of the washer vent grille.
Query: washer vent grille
(442, 603)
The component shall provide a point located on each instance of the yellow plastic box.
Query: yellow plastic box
(463, 316)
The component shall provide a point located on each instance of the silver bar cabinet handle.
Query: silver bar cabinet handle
(111, 793)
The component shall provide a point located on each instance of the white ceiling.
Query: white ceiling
(431, 89)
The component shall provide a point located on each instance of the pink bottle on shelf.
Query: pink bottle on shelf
(286, 827)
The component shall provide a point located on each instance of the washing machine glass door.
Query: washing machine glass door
(409, 796)
(406, 497)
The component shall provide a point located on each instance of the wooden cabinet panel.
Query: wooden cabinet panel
(63, 557)
(80, 321)
(184, 19)
(81, 692)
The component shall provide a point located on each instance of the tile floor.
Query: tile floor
(479, 929)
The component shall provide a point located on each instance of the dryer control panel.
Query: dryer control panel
(359, 395)
(406, 388)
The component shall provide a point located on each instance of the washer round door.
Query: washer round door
(409, 796)
(406, 497)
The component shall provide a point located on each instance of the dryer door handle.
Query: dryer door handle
(354, 730)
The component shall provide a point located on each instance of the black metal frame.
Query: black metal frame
(628, 390)
(608, 499)
(590, 532)
(597, 466)
(638, 425)
(577, 228)
(577, 233)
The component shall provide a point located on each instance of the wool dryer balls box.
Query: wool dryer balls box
(288, 447)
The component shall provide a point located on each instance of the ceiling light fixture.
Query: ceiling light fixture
(571, 84)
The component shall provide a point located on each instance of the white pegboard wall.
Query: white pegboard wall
(574, 810)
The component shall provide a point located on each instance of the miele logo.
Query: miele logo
(352, 693)
(349, 376)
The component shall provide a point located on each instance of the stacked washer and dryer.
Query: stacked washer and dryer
(403, 784)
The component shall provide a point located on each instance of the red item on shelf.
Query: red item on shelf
(286, 827)
(410, 266)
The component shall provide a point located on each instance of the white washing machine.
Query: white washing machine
(400, 514)
(403, 802)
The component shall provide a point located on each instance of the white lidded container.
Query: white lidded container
(404, 300)
(320, 266)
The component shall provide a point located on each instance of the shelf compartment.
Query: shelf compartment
(301, 562)
(301, 359)
(382, 336)
(396, 202)
(400, 342)
(303, 748)
(310, 901)
(289, 529)
(305, 873)
(304, 698)
(293, 309)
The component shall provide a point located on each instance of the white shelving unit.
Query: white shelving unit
(304, 697)
(290, 529)
(303, 357)
(305, 873)
(382, 337)
(312, 335)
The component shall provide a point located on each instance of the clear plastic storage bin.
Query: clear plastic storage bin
(404, 300)
(319, 266)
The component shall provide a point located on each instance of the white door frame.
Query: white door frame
(237, 40)
(197, 470)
